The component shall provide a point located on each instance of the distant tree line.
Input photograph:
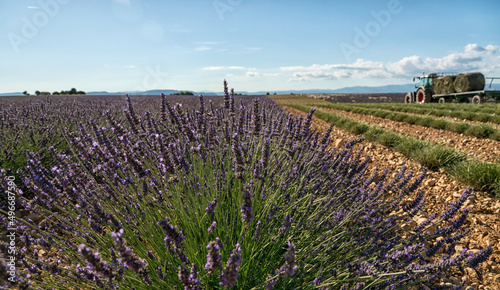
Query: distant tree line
(73, 91)
(186, 93)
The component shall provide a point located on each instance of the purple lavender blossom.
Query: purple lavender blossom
(307, 125)
(210, 209)
(246, 208)
(229, 275)
(94, 260)
(231, 103)
(286, 224)
(290, 266)
(475, 259)
(214, 258)
(265, 153)
(239, 161)
(226, 96)
(190, 279)
(130, 260)
(256, 117)
(318, 280)
(173, 235)
(271, 281)
(452, 209)
(258, 231)
(211, 228)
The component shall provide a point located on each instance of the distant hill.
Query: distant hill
(347, 90)
(12, 94)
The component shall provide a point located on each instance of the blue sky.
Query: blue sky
(257, 45)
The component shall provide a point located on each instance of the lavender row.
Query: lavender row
(224, 192)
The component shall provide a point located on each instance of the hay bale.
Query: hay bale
(469, 82)
(437, 85)
(448, 85)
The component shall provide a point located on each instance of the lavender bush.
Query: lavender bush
(226, 192)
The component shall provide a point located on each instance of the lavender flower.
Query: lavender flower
(290, 265)
(130, 260)
(256, 117)
(265, 153)
(163, 108)
(286, 224)
(455, 206)
(94, 260)
(231, 102)
(475, 259)
(226, 96)
(210, 209)
(239, 162)
(173, 235)
(307, 125)
(270, 281)
(246, 208)
(317, 281)
(190, 279)
(214, 258)
(211, 228)
(258, 231)
(229, 275)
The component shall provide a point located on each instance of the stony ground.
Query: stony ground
(441, 189)
(481, 149)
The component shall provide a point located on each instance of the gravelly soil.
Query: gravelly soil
(481, 149)
(440, 190)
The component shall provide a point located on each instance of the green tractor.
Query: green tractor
(450, 87)
(424, 93)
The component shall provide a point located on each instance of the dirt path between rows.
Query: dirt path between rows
(454, 119)
(481, 149)
(440, 190)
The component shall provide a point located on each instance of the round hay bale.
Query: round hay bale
(468, 82)
(448, 84)
(437, 85)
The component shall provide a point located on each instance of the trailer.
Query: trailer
(475, 97)
(426, 91)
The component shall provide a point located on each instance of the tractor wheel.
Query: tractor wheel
(442, 100)
(477, 99)
(408, 98)
(423, 96)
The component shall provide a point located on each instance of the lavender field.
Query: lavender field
(194, 192)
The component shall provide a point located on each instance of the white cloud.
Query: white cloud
(203, 48)
(33, 7)
(253, 73)
(205, 45)
(473, 58)
(246, 48)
